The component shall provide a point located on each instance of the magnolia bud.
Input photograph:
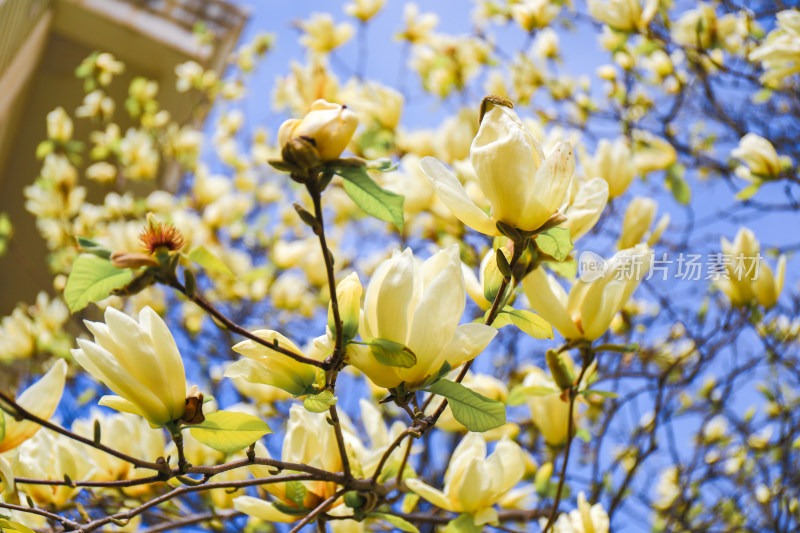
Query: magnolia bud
(301, 153)
(194, 408)
(132, 260)
(348, 294)
(329, 126)
(561, 371)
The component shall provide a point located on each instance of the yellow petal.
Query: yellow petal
(41, 399)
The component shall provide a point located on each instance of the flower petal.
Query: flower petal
(454, 196)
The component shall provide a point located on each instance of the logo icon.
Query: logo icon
(591, 266)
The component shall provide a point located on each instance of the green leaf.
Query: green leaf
(209, 261)
(370, 197)
(601, 393)
(91, 280)
(555, 242)
(531, 323)
(319, 403)
(518, 394)
(566, 269)
(676, 183)
(6, 525)
(228, 431)
(475, 411)
(748, 192)
(296, 492)
(400, 523)
(584, 435)
(463, 524)
(391, 353)
(95, 248)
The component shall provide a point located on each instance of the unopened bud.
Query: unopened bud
(132, 260)
(348, 294)
(301, 152)
(194, 408)
(493, 275)
(561, 371)
(493, 100)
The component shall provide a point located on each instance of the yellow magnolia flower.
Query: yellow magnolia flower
(585, 208)
(532, 14)
(128, 434)
(624, 15)
(418, 304)
(321, 34)
(612, 161)
(587, 312)
(417, 27)
(779, 54)
(330, 126)
(363, 9)
(309, 440)
(524, 187)
(52, 456)
(268, 367)
(638, 218)
(59, 125)
(473, 482)
(651, 152)
(550, 413)
(139, 361)
(585, 519)
(759, 155)
(348, 294)
(41, 399)
(748, 277)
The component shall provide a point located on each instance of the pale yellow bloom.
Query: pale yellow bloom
(139, 361)
(329, 125)
(309, 440)
(364, 9)
(624, 15)
(138, 155)
(612, 161)
(639, 216)
(651, 152)
(418, 304)
(268, 367)
(524, 187)
(779, 54)
(374, 102)
(59, 125)
(125, 433)
(533, 14)
(587, 312)
(585, 519)
(321, 33)
(586, 207)
(549, 413)
(474, 482)
(102, 172)
(41, 399)
(417, 27)
(52, 456)
(748, 277)
(759, 155)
